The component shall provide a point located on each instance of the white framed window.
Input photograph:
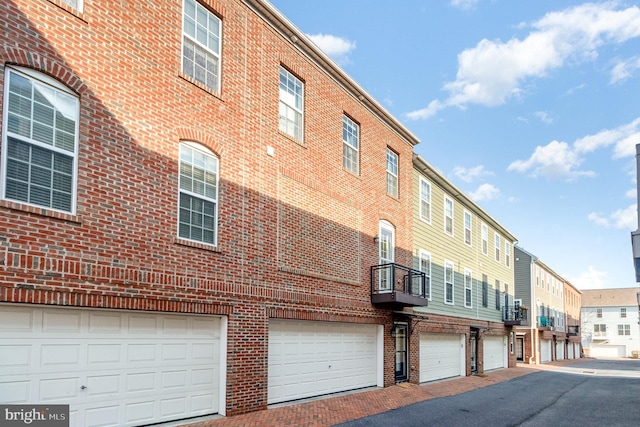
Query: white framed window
(600, 330)
(485, 291)
(350, 145)
(507, 254)
(201, 44)
(76, 4)
(468, 288)
(392, 173)
(599, 313)
(386, 253)
(448, 216)
(497, 246)
(468, 224)
(425, 200)
(537, 276)
(623, 312)
(484, 231)
(425, 267)
(291, 107)
(39, 141)
(198, 194)
(448, 282)
(498, 295)
(624, 329)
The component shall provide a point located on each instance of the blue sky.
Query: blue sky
(530, 107)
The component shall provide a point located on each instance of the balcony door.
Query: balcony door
(386, 254)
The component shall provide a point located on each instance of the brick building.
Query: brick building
(192, 197)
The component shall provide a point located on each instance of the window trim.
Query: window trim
(468, 286)
(194, 145)
(469, 229)
(446, 216)
(623, 312)
(347, 146)
(507, 254)
(391, 174)
(45, 80)
(424, 218)
(424, 255)
(218, 87)
(497, 246)
(485, 291)
(299, 138)
(449, 265)
(484, 236)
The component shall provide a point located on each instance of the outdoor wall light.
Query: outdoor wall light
(376, 239)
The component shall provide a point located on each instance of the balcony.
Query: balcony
(546, 323)
(573, 330)
(395, 286)
(515, 316)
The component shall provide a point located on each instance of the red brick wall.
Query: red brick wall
(120, 250)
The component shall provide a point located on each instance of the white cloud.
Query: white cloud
(624, 139)
(493, 72)
(544, 117)
(468, 175)
(554, 160)
(464, 4)
(624, 69)
(598, 220)
(561, 160)
(590, 279)
(631, 194)
(485, 192)
(337, 48)
(621, 219)
(425, 113)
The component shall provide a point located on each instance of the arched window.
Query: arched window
(39, 141)
(198, 188)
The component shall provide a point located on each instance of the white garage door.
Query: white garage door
(111, 367)
(608, 351)
(545, 350)
(560, 350)
(309, 359)
(570, 353)
(494, 349)
(441, 356)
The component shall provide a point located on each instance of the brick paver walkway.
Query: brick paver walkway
(339, 409)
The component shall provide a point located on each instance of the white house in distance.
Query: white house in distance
(610, 322)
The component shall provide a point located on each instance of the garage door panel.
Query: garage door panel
(440, 356)
(61, 322)
(493, 351)
(17, 321)
(313, 358)
(608, 351)
(124, 361)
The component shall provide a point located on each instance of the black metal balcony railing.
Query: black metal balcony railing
(515, 316)
(396, 286)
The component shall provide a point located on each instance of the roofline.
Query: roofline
(537, 260)
(297, 38)
(423, 166)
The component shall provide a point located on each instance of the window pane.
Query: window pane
(198, 177)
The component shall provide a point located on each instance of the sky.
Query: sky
(529, 107)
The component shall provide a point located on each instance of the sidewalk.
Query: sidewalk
(339, 409)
